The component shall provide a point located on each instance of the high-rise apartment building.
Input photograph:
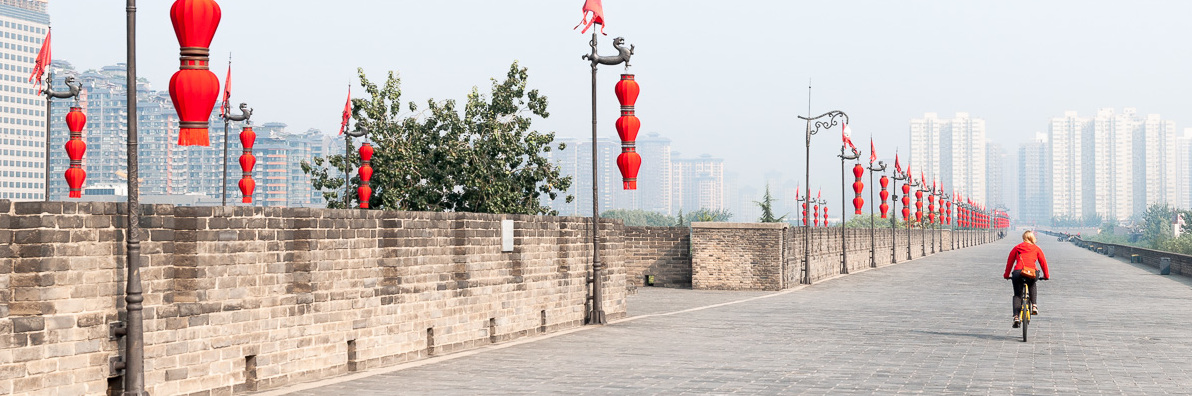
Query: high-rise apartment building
(654, 177)
(23, 26)
(165, 168)
(1066, 165)
(995, 165)
(1183, 155)
(1033, 195)
(697, 183)
(951, 151)
(1154, 163)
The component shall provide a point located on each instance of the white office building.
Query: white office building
(951, 151)
(23, 26)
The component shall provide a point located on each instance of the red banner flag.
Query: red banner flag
(43, 61)
(597, 11)
(227, 94)
(872, 152)
(846, 135)
(897, 166)
(347, 112)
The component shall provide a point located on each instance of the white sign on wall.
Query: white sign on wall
(506, 235)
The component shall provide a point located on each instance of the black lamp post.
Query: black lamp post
(844, 157)
(881, 167)
(75, 88)
(595, 314)
(134, 356)
(829, 123)
(898, 176)
(910, 182)
(226, 114)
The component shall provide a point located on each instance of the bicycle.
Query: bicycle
(1024, 314)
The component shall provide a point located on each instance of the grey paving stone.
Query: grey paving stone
(937, 325)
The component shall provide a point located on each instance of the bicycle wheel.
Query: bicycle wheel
(1025, 314)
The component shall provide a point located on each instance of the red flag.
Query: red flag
(43, 61)
(897, 166)
(846, 135)
(872, 152)
(347, 112)
(224, 109)
(597, 11)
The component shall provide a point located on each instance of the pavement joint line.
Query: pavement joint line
(437, 359)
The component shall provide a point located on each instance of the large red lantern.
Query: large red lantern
(825, 215)
(75, 148)
(815, 215)
(858, 186)
(364, 192)
(931, 208)
(906, 202)
(804, 213)
(919, 205)
(627, 127)
(884, 195)
(194, 88)
(248, 138)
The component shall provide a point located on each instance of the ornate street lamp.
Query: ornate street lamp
(76, 141)
(844, 157)
(881, 167)
(832, 121)
(133, 361)
(595, 315)
(245, 115)
(906, 210)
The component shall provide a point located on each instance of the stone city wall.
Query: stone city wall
(244, 298)
(759, 256)
(1181, 264)
(664, 252)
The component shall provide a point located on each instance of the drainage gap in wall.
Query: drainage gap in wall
(542, 326)
(250, 372)
(115, 386)
(492, 330)
(351, 355)
(430, 341)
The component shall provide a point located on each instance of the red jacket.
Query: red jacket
(1025, 253)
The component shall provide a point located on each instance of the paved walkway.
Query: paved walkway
(936, 325)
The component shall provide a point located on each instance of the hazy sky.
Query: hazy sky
(725, 78)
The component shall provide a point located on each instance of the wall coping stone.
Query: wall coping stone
(720, 225)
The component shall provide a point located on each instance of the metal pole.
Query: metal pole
(807, 224)
(872, 223)
(134, 377)
(843, 212)
(224, 192)
(47, 158)
(597, 315)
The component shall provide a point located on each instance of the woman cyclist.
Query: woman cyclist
(1025, 255)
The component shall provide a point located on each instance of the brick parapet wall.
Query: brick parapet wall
(1181, 264)
(240, 298)
(743, 256)
(664, 252)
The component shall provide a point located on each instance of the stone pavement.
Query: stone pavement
(937, 325)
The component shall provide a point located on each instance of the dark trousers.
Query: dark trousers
(1019, 282)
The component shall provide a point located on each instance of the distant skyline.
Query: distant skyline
(722, 78)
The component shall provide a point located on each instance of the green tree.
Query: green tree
(767, 206)
(1156, 228)
(867, 221)
(637, 217)
(483, 158)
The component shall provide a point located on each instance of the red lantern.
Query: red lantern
(858, 187)
(804, 213)
(931, 208)
(248, 138)
(75, 148)
(194, 88)
(884, 195)
(364, 193)
(825, 215)
(815, 214)
(627, 126)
